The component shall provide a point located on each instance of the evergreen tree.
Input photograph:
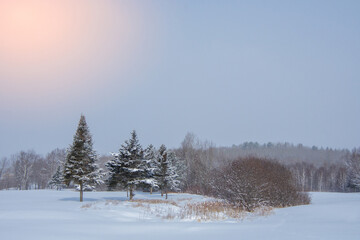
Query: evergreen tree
(150, 167)
(116, 172)
(80, 167)
(125, 168)
(167, 176)
(57, 180)
(353, 165)
(181, 170)
(176, 171)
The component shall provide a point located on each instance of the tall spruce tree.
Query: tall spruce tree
(80, 167)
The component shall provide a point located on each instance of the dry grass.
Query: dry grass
(154, 201)
(94, 204)
(201, 211)
(112, 202)
(88, 205)
(262, 211)
(214, 211)
(207, 211)
(184, 199)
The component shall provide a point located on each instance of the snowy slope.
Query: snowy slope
(105, 215)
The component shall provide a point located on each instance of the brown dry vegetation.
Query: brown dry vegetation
(252, 182)
(206, 211)
(202, 211)
(154, 201)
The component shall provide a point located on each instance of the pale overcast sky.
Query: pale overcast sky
(228, 71)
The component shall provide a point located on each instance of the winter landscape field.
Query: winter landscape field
(182, 119)
(48, 214)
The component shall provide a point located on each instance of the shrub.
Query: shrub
(253, 182)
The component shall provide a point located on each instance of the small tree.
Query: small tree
(353, 166)
(149, 168)
(3, 165)
(180, 169)
(80, 167)
(57, 180)
(167, 176)
(116, 172)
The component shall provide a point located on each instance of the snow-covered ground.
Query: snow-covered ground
(36, 215)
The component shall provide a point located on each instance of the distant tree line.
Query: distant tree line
(313, 169)
(326, 178)
(29, 170)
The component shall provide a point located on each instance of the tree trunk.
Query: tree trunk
(162, 192)
(131, 193)
(150, 190)
(166, 194)
(81, 192)
(127, 192)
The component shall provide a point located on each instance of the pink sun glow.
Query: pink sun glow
(51, 48)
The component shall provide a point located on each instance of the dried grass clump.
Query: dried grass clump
(184, 199)
(207, 211)
(112, 202)
(86, 206)
(95, 205)
(154, 201)
(262, 211)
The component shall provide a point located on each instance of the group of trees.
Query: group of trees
(285, 153)
(29, 170)
(247, 182)
(132, 168)
(325, 178)
(313, 169)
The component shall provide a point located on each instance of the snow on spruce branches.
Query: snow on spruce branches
(57, 180)
(150, 169)
(80, 167)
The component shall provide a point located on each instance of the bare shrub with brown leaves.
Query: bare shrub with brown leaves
(251, 183)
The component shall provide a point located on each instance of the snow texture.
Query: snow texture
(50, 214)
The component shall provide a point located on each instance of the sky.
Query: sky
(227, 71)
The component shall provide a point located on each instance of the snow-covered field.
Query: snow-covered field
(35, 215)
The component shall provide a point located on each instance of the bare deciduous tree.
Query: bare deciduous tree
(3, 165)
(23, 168)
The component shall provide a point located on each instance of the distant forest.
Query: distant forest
(313, 168)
